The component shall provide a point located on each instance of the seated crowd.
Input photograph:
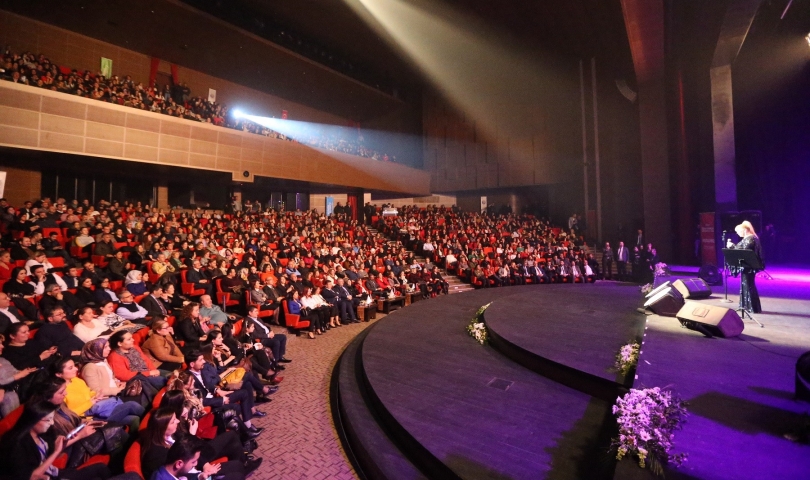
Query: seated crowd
(97, 329)
(174, 100)
(496, 250)
(140, 341)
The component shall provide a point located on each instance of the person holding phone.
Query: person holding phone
(226, 444)
(54, 390)
(9, 376)
(22, 352)
(85, 402)
(32, 447)
(159, 437)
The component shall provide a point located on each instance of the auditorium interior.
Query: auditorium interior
(404, 239)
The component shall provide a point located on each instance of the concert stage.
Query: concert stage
(418, 396)
(740, 390)
(415, 396)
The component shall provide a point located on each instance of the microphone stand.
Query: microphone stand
(725, 274)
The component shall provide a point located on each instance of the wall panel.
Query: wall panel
(63, 124)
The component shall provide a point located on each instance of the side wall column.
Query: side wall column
(644, 20)
(655, 172)
(22, 185)
(163, 196)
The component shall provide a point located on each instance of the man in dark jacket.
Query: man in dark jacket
(56, 333)
(206, 380)
(10, 314)
(333, 296)
(197, 276)
(54, 298)
(276, 342)
(152, 302)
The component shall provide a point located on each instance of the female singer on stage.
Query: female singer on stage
(749, 297)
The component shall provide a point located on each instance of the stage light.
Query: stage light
(237, 113)
(807, 37)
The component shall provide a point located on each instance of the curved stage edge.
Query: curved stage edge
(415, 397)
(569, 335)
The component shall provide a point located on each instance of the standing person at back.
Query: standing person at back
(622, 257)
(607, 261)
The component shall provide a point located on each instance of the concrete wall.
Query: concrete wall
(460, 156)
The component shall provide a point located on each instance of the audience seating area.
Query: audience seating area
(494, 250)
(286, 250)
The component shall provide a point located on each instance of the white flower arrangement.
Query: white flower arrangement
(477, 328)
(645, 289)
(647, 421)
(627, 358)
(661, 269)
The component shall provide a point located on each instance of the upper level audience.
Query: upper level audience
(174, 100)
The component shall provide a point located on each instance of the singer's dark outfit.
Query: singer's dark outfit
(749, 297)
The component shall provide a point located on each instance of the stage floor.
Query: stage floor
(740, 390)
(577, 326)
(482, 413)
(437, 383)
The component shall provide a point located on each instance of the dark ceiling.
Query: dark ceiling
(228, 39)
(581, 28)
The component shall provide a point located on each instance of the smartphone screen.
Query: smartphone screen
(75, 431)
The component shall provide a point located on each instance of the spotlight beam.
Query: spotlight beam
(485, 78)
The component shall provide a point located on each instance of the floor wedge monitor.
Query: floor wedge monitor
(711, 320)
(693, 288)
(667, 302)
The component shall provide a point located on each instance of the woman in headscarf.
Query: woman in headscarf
(96, 372)
(134, 283)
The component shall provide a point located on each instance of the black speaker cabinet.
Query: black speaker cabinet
(666, 303)
(693, 288)
(718, 321)
(711, 275)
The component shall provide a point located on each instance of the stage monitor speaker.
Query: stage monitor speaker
(717, 321)
(693, 288)
(711, 274)
(666, 303)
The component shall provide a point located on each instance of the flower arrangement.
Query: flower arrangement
(661, 269)
(627, 358)
(645, 289)
(477, 328)
(647, 421)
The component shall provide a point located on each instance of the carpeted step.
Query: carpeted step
(372, 453)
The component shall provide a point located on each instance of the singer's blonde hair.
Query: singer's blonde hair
(746, 227)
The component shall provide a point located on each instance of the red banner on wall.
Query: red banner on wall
(708, 249)
(284, 114)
